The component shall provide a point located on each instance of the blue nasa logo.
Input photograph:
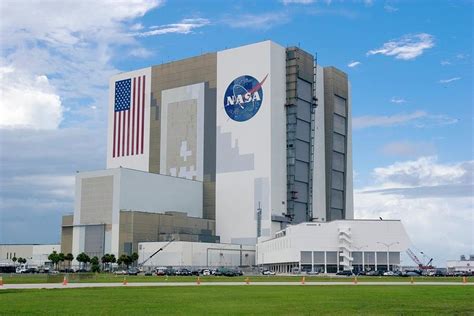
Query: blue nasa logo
(243, 98)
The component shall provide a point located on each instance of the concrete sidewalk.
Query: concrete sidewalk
(163, 284)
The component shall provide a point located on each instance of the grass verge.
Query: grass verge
(242, 300)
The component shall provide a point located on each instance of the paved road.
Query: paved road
(163, 284)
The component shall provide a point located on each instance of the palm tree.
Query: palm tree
(83, 258)
(69, 257)
(62, 257)
(14, 259)
(54, 258)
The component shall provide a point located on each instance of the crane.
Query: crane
(161, 249)
(420, 264)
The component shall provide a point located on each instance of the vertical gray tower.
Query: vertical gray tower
(337, 140)
(300, 105)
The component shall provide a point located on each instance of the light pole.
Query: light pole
(388, 251)
(363, 256)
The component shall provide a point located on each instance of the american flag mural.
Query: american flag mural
(129, 117)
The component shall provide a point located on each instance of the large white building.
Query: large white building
(337, 245)
(246, 141)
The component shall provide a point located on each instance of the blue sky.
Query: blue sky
(409, 63)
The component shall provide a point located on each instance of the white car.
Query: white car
(206, 272)
(389, 273)
(268, 272)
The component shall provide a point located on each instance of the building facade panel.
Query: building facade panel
(250, 149)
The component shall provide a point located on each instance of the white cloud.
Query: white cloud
(287, 2)
(70, 50)
(141, 52)
(407, 47)
(445, 63)
(389, 120)
(408, 149)
(390, 8)
(185, 26)
(397, 100)
(28, 101)
(449, 80)
(262, 21)
(433, 200)
(417, 119)
(368, 2)
(425, 171)
(353, 64)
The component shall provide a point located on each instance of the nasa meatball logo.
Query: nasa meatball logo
(243, 98)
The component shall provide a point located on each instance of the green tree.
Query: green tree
(54, 258)
(83, 259)
(105, 260)
(95, 264)
(69, 257)
(62, 258)
(94, 260)
(124, 259)
(134, 257)
(14, 259)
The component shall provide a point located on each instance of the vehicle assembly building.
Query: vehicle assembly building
(242, 151)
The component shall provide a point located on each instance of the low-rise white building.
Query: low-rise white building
(196, 254)
(36, 255)
(329, 247)
(462, 265)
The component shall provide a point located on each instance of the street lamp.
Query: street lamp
(388, 251)
(363, 259)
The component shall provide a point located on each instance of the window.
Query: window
(340, 105)
(338, 143)
(339, 124)
(331, 257)
(337, 179)
(336, 214)
(357, 257)
(338, 161)
(302, 150)
(302, 130)
(306, 257)
(304, 90)
(318, 257)
(337, 200)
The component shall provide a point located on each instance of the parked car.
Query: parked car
(133, 271)
(374, 273)
(411, 274)
(268, 272)
(119, 272)
(206, 272)
(389, 273)
(345, 272)
(161, 271)
(183, 272)
(312, 273)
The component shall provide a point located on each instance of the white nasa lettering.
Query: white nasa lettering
(230, 100)
(256, 96)
(241, 99)
(247, 97)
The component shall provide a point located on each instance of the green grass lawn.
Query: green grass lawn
(243, 300)
(104, 277)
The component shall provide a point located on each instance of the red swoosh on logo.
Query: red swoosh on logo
(258, 86)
